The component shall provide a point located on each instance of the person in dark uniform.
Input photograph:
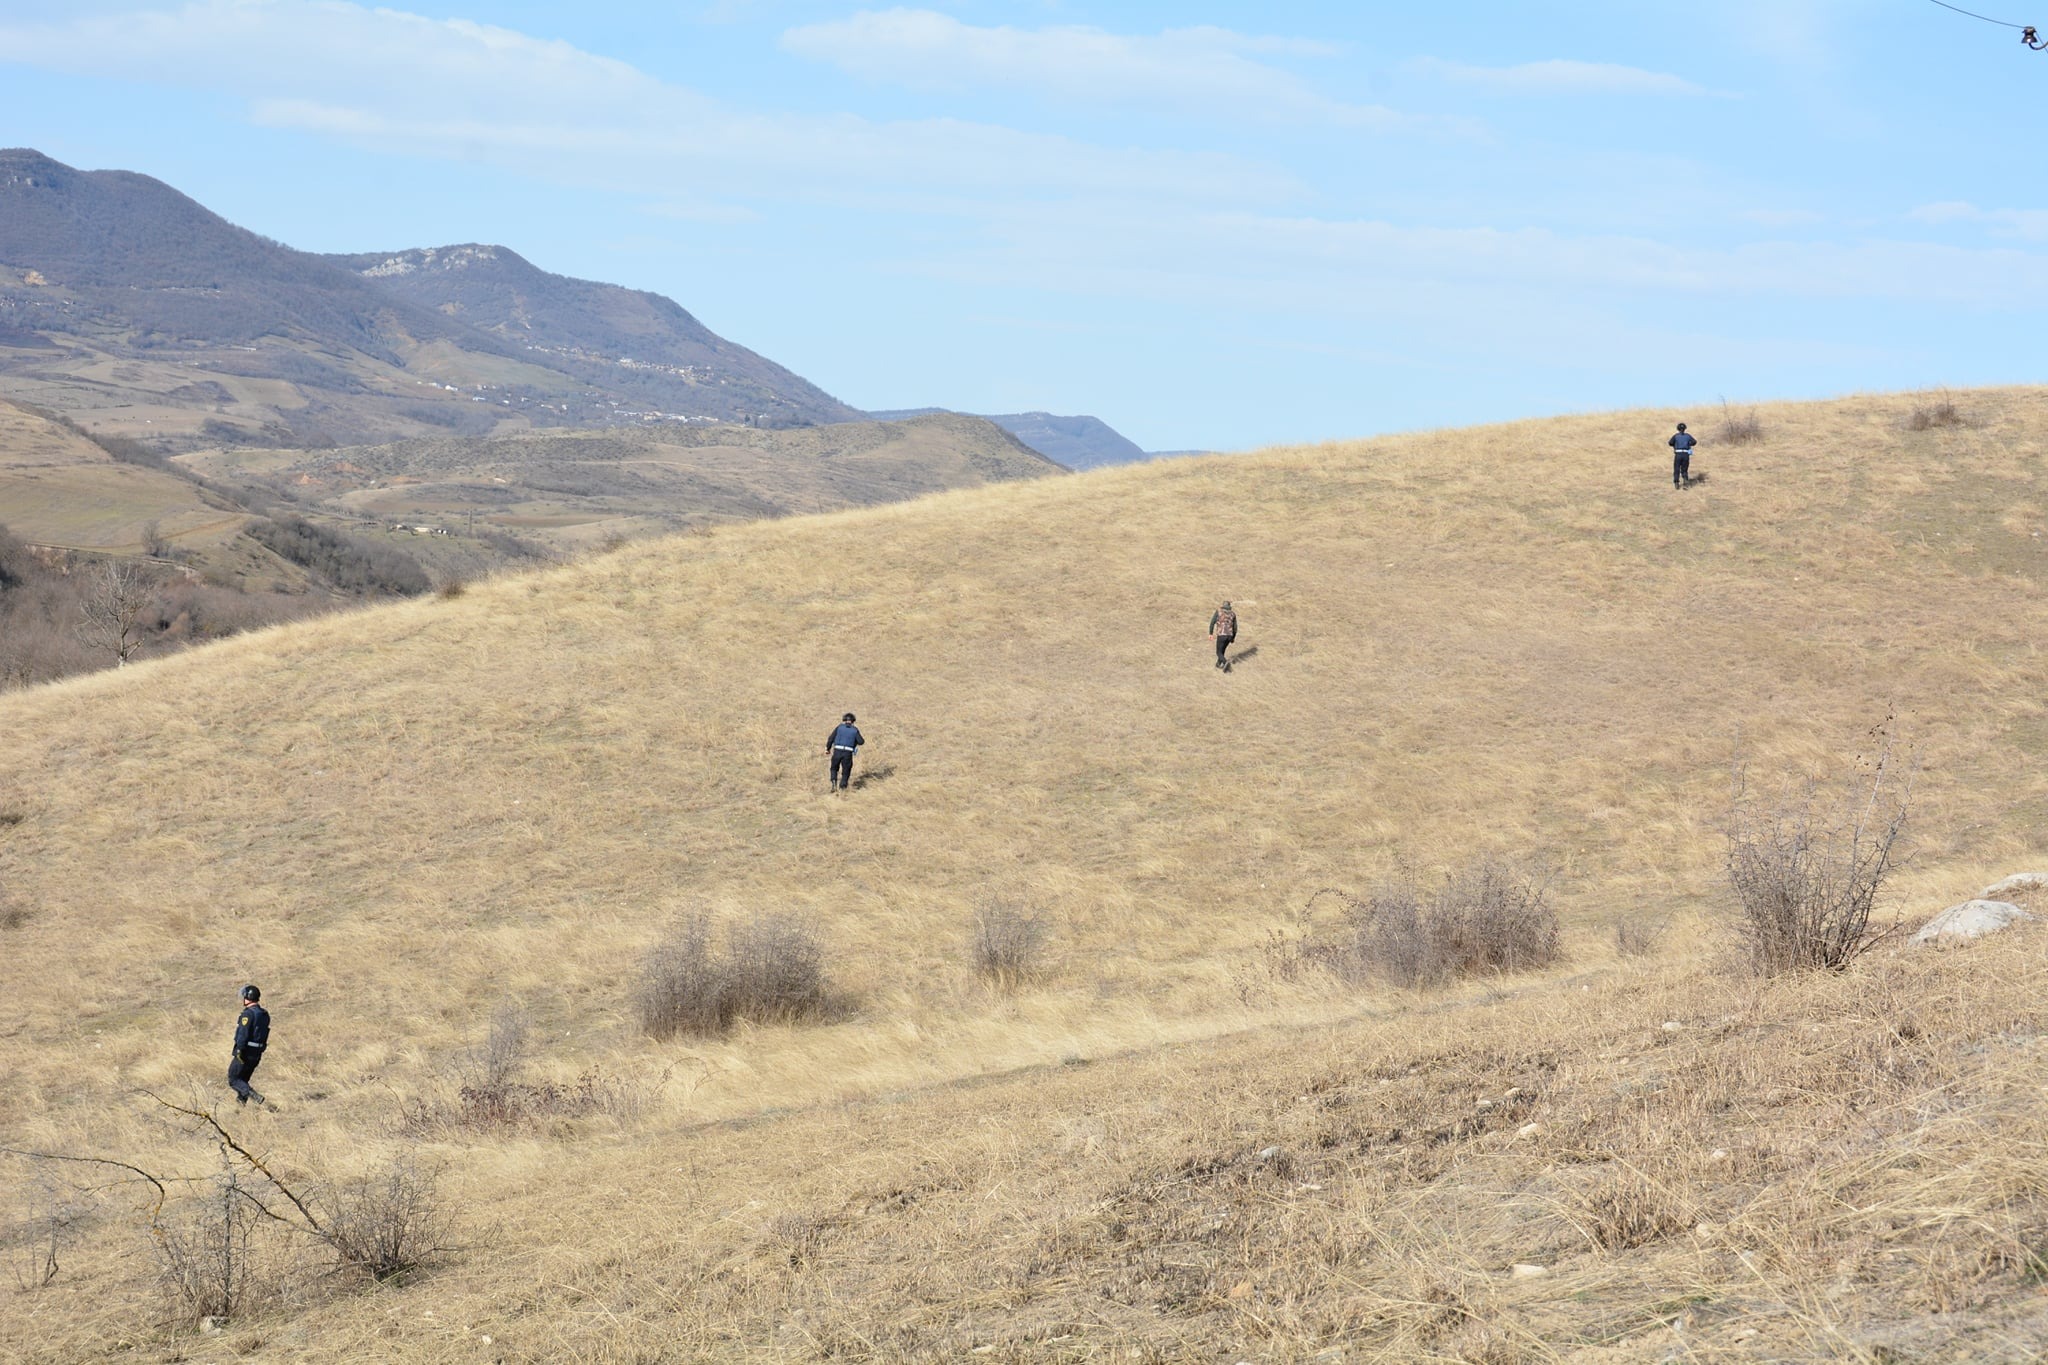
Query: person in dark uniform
(252, 1035)
(845, 739)
(1223, 626)
(1681, 457)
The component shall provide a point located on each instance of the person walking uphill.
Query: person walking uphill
(845, 739)
(252, 1035)
(1223, 626)
(1681, 457)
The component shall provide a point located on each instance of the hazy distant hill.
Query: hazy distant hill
(133, 309)
(624, 339)
(1076, 442)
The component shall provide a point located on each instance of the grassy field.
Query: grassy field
(1515, 640)
(57, 488)
(573, 491)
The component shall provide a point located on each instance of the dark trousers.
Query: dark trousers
(842, 769)
(1681, 467)
(239, 1072)
(1223, 643)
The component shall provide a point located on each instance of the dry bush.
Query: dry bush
(1638, 935)
(44, 1215)
(1630, 1208)
(1937, 412)
(206, 1266)
(771, 968)
(389, 1223)
(1490, 917)
(1806, 866)
(492, 1064)
(1739, 428)
(1007, 943)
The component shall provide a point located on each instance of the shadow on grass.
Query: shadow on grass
(874, 775)
(1231, 661)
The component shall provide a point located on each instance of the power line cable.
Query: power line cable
(1974, 15)
(2027, 33)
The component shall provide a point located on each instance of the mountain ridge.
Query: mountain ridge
(133, 308)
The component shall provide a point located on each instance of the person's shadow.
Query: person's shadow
(881, 774)
(1231, 661)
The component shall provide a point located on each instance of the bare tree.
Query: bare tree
(116, 595)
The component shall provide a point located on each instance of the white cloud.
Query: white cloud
(451, 88)
(1371, 269)
(2024, 224)
(1561, 77)
(1190, 69)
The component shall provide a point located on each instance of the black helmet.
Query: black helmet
(1681, 426)
(251, 994)
(848, 718)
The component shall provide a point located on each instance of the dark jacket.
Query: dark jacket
(846, 737)
(1683, 442)
(1224, 623)
(252, 1031)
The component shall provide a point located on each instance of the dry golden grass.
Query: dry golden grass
(1514, 640)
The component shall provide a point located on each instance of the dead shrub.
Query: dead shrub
(206, 1265)
(1937, 412)
(1739, 428)
(1638, 935)
(1007, 942)
(453, 588)
(770, 969)
(1629, 1209)
(1806, 865)
(389, 1223)
(1492, 916)
(492, 1064)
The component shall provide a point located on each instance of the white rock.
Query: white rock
(1971, 919)
(2018, 884)
(213, 1327)
(1673, 1026)
(1524, 1271)
(1529, 1130)
(1718, 1154)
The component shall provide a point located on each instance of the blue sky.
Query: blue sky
(1212, 225)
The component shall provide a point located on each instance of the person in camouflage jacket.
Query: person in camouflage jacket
(1223, 629)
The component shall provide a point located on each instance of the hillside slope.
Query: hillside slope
(575, 490)
(626, 340)
(400, 820)
(1078, 442)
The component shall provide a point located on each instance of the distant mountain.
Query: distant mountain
(624, 339)
(135, 310)
(1076, 442)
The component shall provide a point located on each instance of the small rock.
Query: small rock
(1268, 1153)
(1528, 1130)
(213, 1327)
(1524, 1271)
(1485, 1105)
(2018, 884)
(1673, 1026)
(1971, 919)
(1718, 1154)
(1706, 1231)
